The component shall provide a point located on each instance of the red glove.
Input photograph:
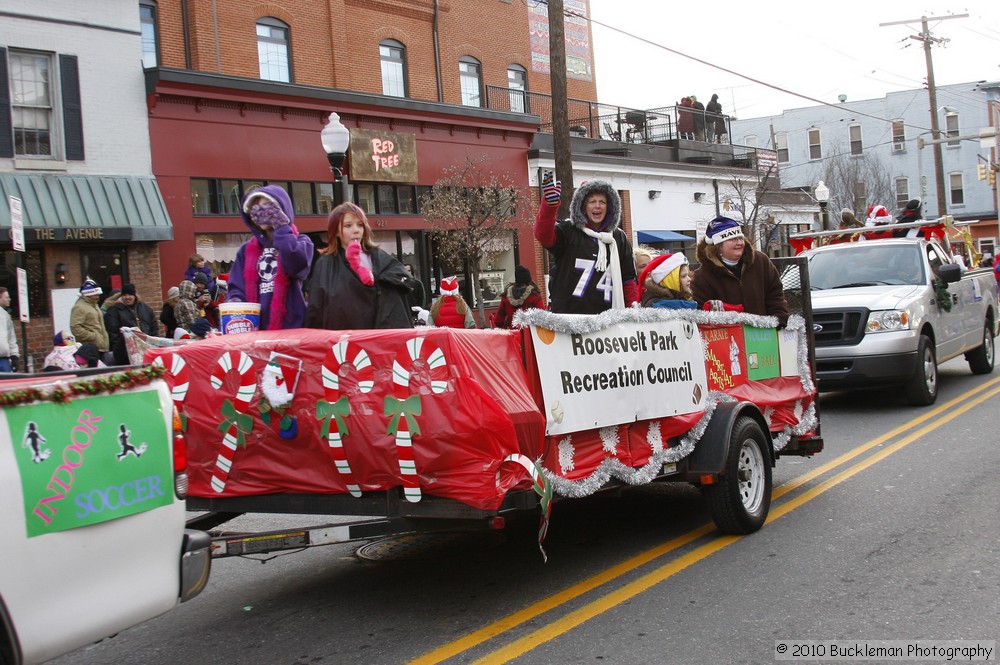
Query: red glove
(719, 306)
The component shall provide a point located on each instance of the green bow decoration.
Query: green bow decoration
(407, 408)
(242, 421)
(338, 410)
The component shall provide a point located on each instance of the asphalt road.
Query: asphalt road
(892, 533)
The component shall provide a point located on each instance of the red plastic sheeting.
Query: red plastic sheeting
(466, 409)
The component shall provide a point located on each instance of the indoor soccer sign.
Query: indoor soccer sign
(626, 372)
(90, 460)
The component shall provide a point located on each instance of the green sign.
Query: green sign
(91, 460)
(762, 353)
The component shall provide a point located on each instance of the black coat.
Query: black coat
(168, 319)
(339, 300)
(140, 315)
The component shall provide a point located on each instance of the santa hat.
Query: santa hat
(90, 288)
(661, 267)
(449, 286)
(878, 215)
(722, 229)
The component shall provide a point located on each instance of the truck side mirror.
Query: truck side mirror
(950, 272)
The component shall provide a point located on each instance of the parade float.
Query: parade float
(436, 428)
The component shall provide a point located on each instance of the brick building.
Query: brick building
(74, 150)
(240, 93)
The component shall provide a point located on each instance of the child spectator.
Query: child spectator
(666, 283)
(197, 266)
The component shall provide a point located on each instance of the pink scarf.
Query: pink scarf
(276, 317)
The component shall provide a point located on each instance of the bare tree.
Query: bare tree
(857, 181)
(743, 198)
(473, 213)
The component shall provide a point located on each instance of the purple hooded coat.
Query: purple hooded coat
(271, 270)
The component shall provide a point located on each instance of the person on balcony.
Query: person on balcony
(699, 119)
(716, 120)
(685, 120)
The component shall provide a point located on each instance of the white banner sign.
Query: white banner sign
(22, 294)
(16, 223)
(627, 372)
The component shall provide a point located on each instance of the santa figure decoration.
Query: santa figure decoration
(277, 384)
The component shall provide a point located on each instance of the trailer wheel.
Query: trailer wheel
(922, 389)
(981, 358)
(741, 497)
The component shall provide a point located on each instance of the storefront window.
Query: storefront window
(229, 197)
(201, 197)
(302, 198)
(366, 198)
(407, 201)
(324, 197)
(219, 249)
(31, 261)
(387, 199)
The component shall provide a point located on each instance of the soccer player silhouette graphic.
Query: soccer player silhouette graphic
(127, 447)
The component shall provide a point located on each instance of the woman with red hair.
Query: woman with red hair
(354, 284)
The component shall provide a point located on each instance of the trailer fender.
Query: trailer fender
(709, 455)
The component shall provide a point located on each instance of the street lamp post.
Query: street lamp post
(336, 138)
(822, 193)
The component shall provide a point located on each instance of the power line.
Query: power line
(839, 106)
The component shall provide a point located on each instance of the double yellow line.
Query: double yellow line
(938, 416)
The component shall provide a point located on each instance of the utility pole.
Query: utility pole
(560, 114)
(925, 38)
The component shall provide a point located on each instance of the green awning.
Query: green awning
(58, 207)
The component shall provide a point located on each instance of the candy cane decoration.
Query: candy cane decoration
(403, 424)
(336, 407)
(180, 377)
(542, 487)
(233, 436)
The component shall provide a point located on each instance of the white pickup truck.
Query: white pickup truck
(92, 487)
(886, 312)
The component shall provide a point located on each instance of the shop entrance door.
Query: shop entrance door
(108, 266)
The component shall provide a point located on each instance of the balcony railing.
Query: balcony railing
(614, 123)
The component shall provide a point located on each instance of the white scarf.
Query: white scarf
(604, 243)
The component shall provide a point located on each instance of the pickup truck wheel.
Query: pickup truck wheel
(922, 389)
(981, 358)
(741, 497)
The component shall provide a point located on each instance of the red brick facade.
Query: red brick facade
(335, 44)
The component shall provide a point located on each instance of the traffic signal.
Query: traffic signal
(992, 176)
(982, 168)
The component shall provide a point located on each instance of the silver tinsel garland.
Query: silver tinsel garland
(613, 467)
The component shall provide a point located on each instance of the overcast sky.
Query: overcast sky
(820, 50)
